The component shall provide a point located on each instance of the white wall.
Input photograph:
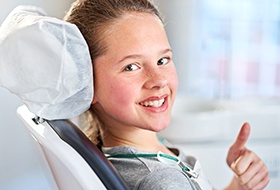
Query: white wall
(21, 163)
(52, 7)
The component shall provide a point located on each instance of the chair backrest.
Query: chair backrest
(76, 163)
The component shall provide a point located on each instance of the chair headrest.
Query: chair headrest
(46, 63)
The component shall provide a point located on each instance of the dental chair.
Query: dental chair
(46, 63)
(76, 163)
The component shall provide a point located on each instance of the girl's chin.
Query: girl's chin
(158, 129)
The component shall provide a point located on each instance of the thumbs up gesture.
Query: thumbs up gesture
(250, 171)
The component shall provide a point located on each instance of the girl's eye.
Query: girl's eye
(131, 67)
(163, 61)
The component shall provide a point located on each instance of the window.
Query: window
(233, 47)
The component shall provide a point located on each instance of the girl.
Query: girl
(135, 86)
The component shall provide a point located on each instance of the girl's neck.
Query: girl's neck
(138, 138)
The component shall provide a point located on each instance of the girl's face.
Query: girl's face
(135, 79)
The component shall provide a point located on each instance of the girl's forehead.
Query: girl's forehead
(129, 20)
(135, 31)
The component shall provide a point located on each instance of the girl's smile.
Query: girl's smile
(155, 104)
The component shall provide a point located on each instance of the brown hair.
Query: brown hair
(93, 17)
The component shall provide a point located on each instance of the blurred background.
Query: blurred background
(228, 62)
(226, 54)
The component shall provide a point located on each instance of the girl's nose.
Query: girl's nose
(155, 80)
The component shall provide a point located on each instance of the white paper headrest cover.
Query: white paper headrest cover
(46, 63)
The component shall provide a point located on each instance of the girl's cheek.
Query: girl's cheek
(124, 95)
(174, 79)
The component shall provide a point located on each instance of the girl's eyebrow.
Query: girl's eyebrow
(134, 56)
(167, 50)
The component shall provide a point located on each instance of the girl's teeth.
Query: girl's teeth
(156, 103)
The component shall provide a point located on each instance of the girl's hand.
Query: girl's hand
(250, 170)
